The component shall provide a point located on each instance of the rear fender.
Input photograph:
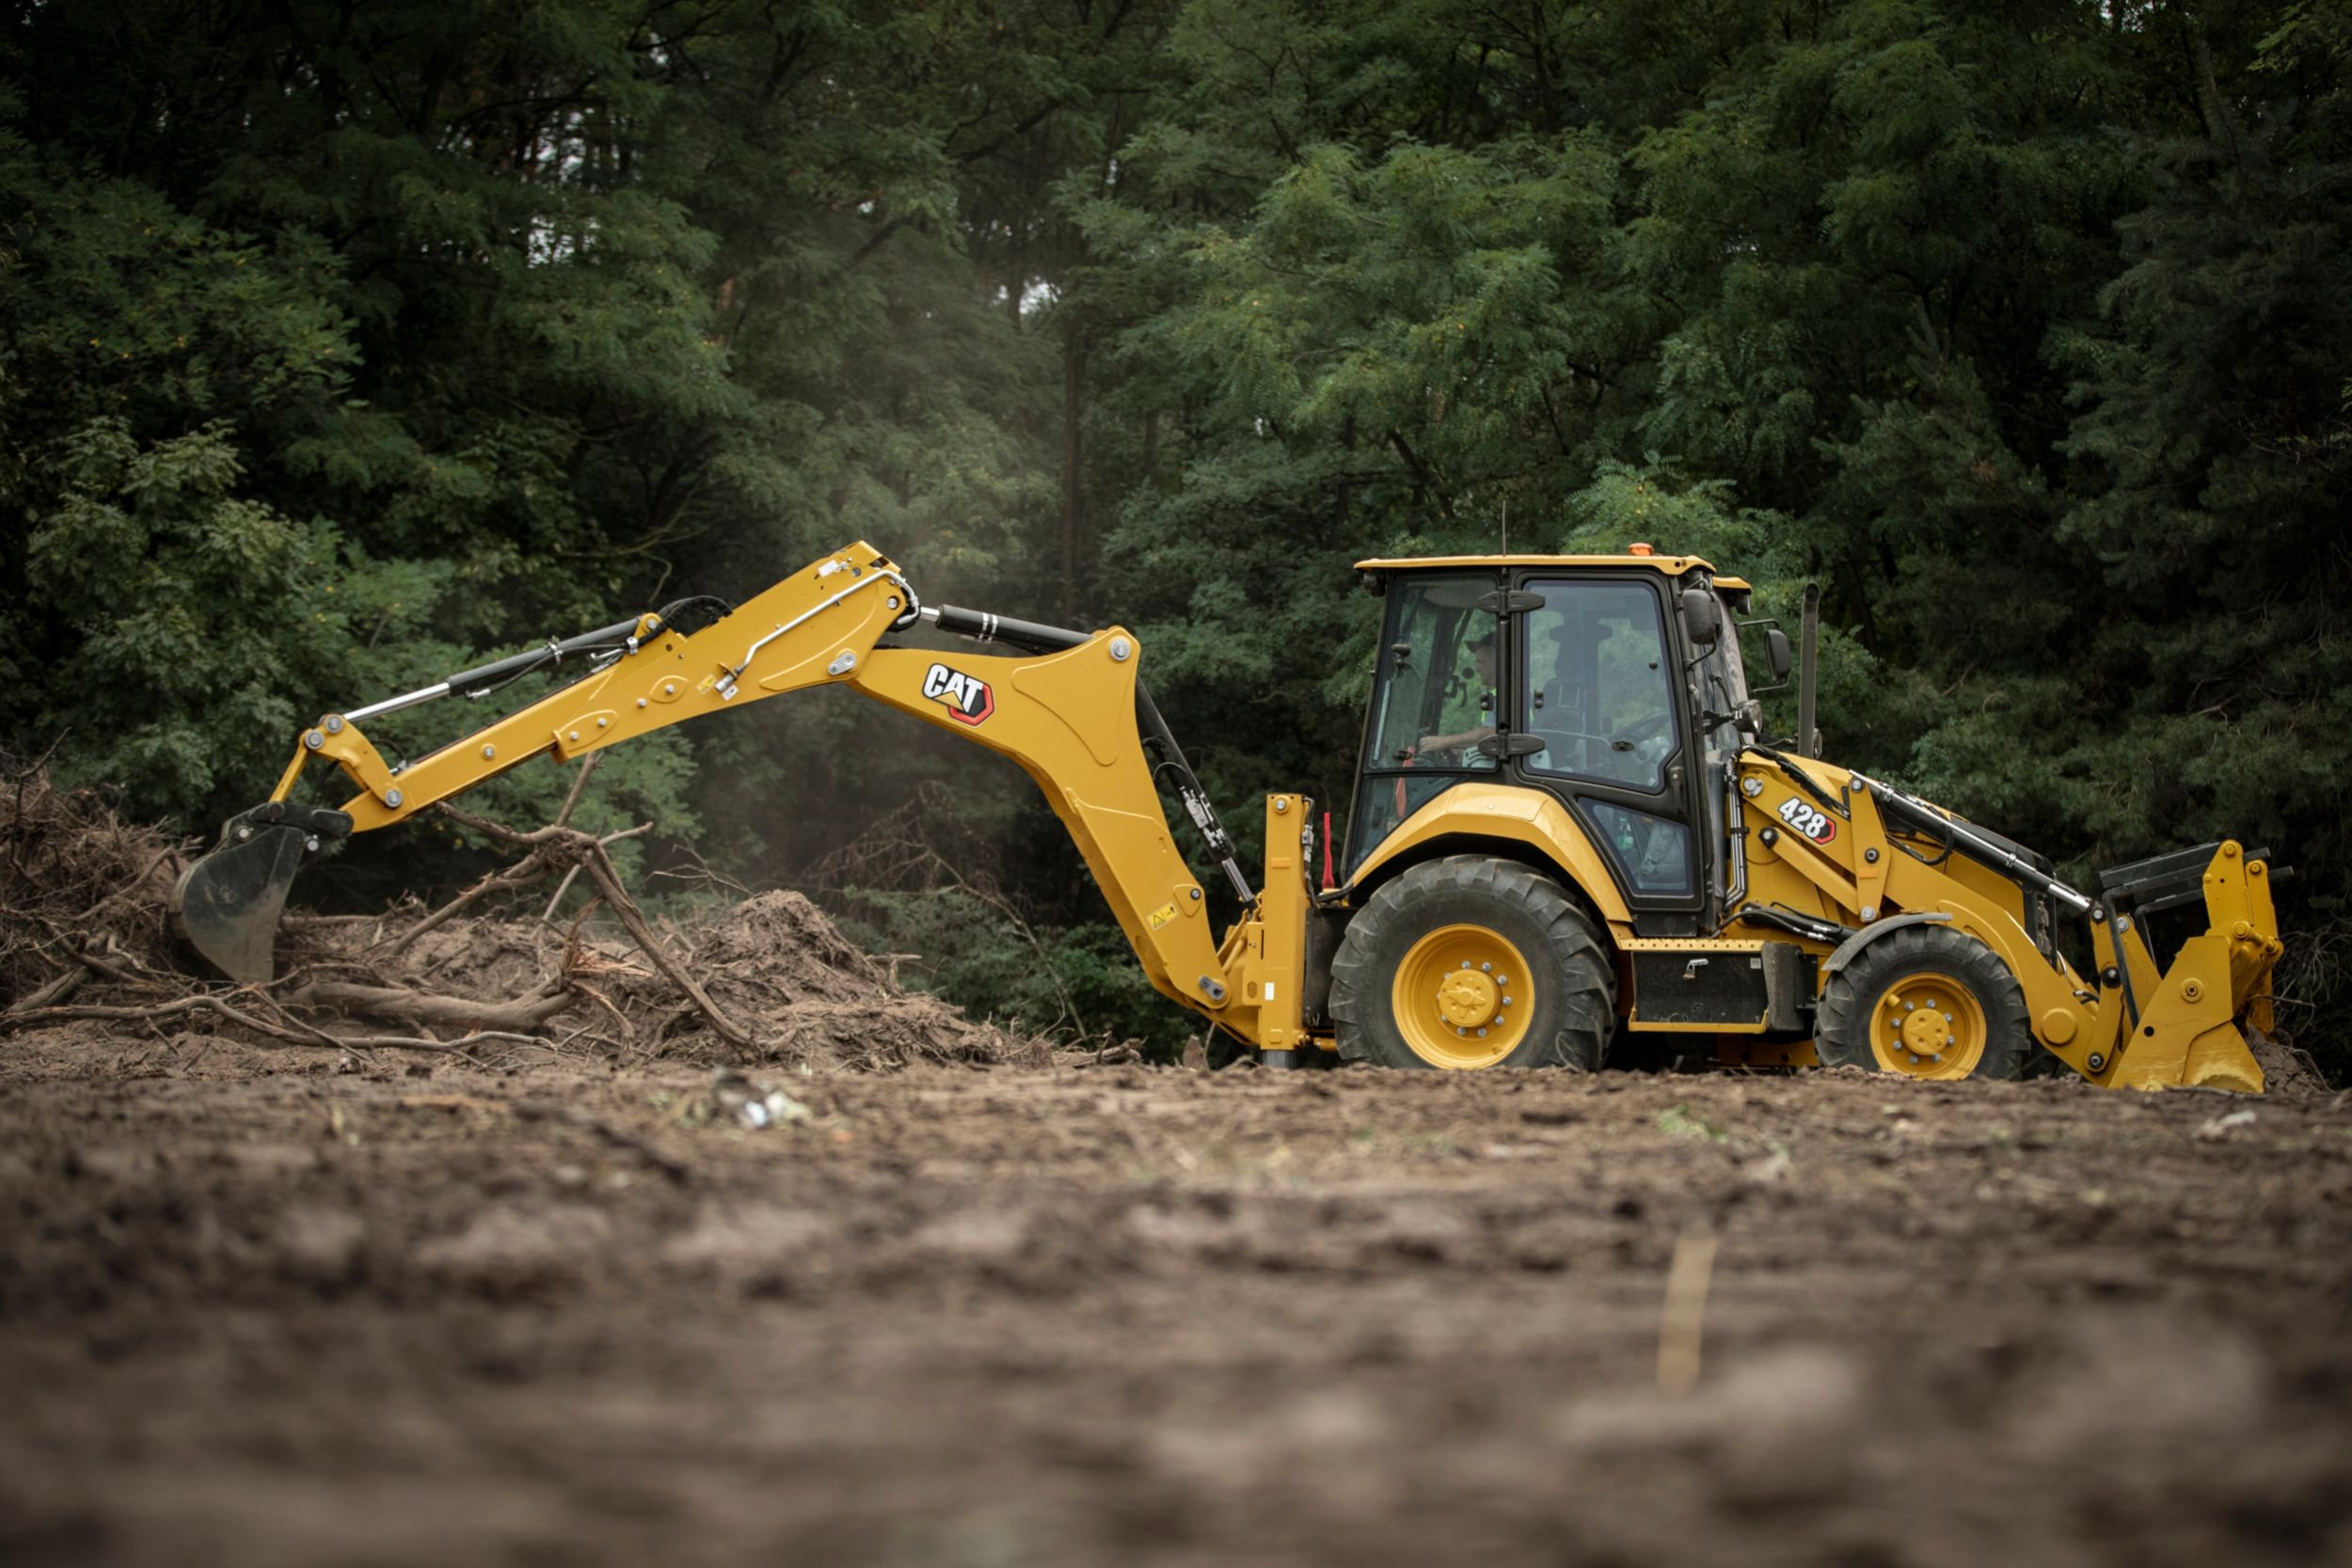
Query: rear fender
(1471, 818)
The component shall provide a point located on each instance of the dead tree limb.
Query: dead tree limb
(608, 880)
(589, 854)
(524, 872)
(417, 1006)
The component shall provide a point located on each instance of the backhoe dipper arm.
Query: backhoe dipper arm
(1071, 715)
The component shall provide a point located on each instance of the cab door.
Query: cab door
(1433, 683)
(1598, 684)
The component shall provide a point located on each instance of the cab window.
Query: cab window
(1598, 693)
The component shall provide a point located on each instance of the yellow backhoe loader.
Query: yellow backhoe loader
(1568, 834)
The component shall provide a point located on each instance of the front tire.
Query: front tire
(1472, 963)
(1926, 1001)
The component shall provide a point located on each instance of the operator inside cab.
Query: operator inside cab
(1464, 741)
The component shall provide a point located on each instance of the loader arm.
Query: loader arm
(1072, 715)
(1874, 859)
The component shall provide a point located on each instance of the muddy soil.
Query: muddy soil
(266, 1305)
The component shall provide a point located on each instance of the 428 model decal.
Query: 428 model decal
(1815, 824)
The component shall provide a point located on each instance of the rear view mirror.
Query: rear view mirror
(1776, 653)
(1702, 617)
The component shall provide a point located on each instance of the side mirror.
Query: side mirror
(1776, 653)
(1702, 617)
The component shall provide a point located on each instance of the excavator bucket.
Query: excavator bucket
(2194, 1028)
(227, 903)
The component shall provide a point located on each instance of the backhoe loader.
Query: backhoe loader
(1568, 834)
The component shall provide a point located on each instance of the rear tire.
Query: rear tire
(1926, 1001)
(1471, 962)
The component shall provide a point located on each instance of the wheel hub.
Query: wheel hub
(1462, 997)
(1928, 1026)
(1467, 997)
(1927, 1031)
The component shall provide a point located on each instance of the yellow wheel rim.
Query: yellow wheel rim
(1462, 997)
(1928, 1026)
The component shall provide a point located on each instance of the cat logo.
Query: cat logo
(966, 698)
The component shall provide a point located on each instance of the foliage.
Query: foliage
(1075, 981)
(338, 343)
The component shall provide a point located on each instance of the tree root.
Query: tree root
(283, 1011)
(559, 844)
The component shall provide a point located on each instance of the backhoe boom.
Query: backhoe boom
(1072, 714)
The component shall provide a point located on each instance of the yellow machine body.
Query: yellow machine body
(2136, 1027)
(1817, 855)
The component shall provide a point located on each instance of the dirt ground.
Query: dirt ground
(267, 1306)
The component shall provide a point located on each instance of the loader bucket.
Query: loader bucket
(2195, 1027)
(227, 904)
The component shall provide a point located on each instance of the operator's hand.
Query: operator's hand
(1453, 742)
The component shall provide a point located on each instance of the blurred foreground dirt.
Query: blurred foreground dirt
(266, 1305)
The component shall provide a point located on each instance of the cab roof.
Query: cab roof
(1673, 565)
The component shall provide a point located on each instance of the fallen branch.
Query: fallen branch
(180, 1008)
(521, 874)
(428, 1008)
(54, 992)
(591, 856)
(608, 880)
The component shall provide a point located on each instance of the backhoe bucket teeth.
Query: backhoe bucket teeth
(227, 904)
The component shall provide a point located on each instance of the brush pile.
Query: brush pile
(85, 936)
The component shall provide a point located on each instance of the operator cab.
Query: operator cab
(1614, 683)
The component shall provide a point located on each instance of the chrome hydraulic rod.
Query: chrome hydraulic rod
(1920, 818)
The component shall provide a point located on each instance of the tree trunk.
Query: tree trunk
(1073, 357)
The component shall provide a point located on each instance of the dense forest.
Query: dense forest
(345, 343)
